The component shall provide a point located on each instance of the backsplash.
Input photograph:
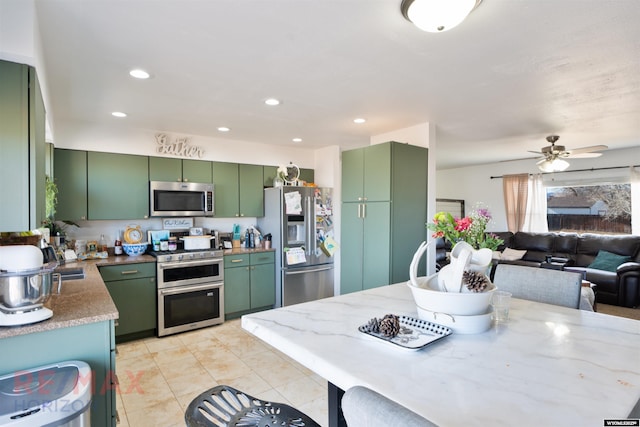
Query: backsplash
(91, 230)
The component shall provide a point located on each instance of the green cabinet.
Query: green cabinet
(92, 343)
(366, 174)
(249, 283)
(70, 172)
(117, 186)
(238, 190)
(22, 148)
(180, 170)
(133, 290)
(384, 212)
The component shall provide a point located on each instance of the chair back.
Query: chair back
(539, 284)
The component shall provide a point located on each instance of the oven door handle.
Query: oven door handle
(183, 289)
(190, 263)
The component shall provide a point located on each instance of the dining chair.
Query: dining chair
(224, 406)
(363, 407)
(540, 284)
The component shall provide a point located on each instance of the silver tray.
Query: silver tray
(414, 333)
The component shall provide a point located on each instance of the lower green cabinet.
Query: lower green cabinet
(249, 283)
(133, 289)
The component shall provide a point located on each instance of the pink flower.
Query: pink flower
(463, 224)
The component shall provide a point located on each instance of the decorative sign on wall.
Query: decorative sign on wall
(177, 223)
(179, 147)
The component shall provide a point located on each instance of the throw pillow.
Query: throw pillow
(608, 261)
(512, 254)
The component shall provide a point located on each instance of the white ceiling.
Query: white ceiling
(514, 72)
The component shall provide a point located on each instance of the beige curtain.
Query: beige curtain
(515, 189)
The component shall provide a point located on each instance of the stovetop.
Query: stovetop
(185, 255)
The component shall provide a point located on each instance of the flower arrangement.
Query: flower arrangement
(470, 229)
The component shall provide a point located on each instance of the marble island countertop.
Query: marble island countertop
(548, 365)
(80, 301)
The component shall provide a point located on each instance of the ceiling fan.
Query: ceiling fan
(553, 155)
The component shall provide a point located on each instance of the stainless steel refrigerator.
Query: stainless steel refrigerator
(300, 220)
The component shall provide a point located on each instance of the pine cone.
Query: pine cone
(390, 326)
(374, 326)
(475, 281)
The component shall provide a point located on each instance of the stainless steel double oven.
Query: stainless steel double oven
(190, 290)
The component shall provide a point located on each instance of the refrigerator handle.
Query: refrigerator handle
(315, 270)
(309, 218)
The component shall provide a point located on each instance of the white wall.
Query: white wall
(474, 185)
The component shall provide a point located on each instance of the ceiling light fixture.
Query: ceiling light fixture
(553, 165)
(118, 114)
(223, 129)
(359, 120)
(139, 74)
(436, 16)
(272, 101)
(297, 139)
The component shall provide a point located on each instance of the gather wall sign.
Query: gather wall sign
(178, 147)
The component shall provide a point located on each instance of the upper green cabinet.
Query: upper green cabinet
(179, 170)
(366, 174)
(22, 148)
(118, 186)
(238, 190)
(70, 172)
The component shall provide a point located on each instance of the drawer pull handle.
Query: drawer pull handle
(129, 272)
(236, 260)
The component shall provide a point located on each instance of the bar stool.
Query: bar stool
(224, 406)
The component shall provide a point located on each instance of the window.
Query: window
(590, 208)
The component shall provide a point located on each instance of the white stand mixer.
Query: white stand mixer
(25, 285)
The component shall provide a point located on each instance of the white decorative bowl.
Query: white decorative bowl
(134, 249)
(428, 296)
(474, 324)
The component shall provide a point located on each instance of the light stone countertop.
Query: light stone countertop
(81, 301)
(242, 251)
(548, 365)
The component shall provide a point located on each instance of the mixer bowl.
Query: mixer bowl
(25, 291)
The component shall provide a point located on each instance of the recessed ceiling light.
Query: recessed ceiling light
(359, 120)
(297, 139)
(118, 114)
(272, 101)
(223, 129)
(139, 74)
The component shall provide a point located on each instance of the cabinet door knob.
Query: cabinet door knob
(241, 214)
(83, 217)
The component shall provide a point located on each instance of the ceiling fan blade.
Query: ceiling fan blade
(584, 155)
(535, 152)
(588, 149)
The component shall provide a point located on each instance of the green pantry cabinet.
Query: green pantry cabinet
(249, 283)
(92, 343)
(133, 290)
(384, 211)
(22, 148)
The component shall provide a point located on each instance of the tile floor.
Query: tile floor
(160, 376)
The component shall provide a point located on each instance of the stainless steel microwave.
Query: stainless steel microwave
(180, 199)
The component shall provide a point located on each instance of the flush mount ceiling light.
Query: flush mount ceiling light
(118, 114)
(272, 101)
(359, 120)
(223, 129)
(297, 139)
(436, 16)
(139, 74)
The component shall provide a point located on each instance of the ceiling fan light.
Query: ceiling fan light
(545, 165)
(437, 15)
(559, 165)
